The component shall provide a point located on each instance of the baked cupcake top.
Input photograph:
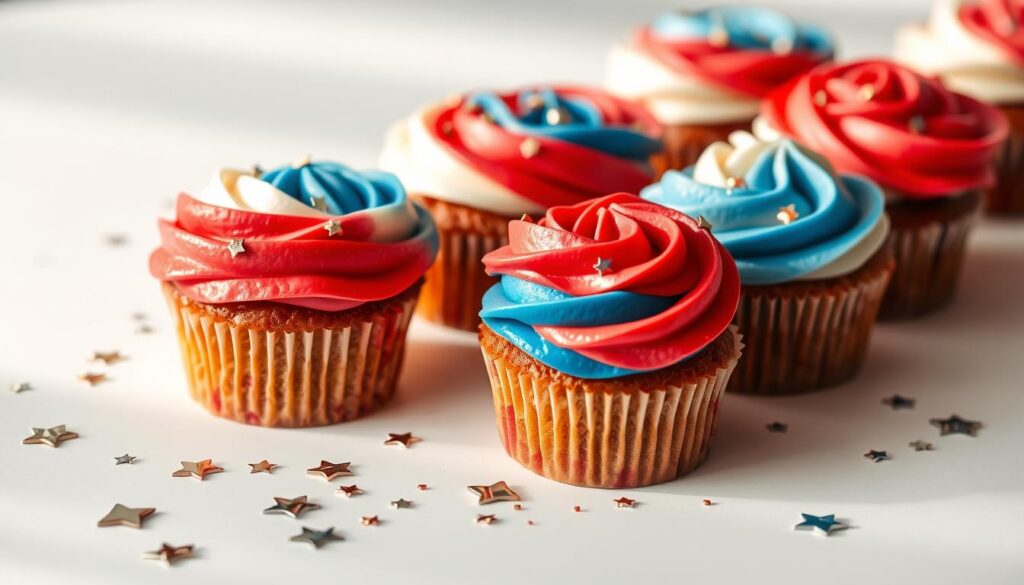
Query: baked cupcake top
(610, 287)
(780, 210)
(713, 66)
(316, 234)
(975, 46)
(524, 151)
(907, 132)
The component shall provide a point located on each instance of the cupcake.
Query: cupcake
(810, 247)
(479, 160)
(703, 74)
(607, 341)
(976, 48)
(292, 291)
(930, 149)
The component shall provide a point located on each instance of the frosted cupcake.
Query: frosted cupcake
(977, 48)
(930, 149)
(607, 341)
(292, 291)
(809, 245)
(479, 160)
(703, 73)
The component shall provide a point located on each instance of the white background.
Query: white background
(108, 109)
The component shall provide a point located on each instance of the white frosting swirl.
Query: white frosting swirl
(966, 63)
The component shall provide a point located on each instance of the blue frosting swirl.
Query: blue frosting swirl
(579, 121)
(746, 27)
(335, 188)
(835, 214)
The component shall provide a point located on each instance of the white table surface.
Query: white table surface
(107, 109)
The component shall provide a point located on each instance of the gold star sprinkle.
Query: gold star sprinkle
(787, 214)
(92, 378)
(236, 247)
(294, 507)
(121, 515)
(369, 520)
(866, 92)
(820, 98)
(52, 436)
(624, 502)
(486, 519)
(319, 203)
(401, 503)
(107, 357)
(333, 228)
(261, 467)
(170, 554)
(703, 223)
(403, 439)
(529, 148)
(197, 469)
(304, 161)
(496, 492)
(602, 265)
(349, 490)
(329, 471)
(19, 387)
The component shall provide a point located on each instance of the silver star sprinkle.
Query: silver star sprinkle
(401, 503)
(294, 507)
(333, 228)
(956, 425)
(603, 265)
(317, 538)
(124, 459)
(236, 247)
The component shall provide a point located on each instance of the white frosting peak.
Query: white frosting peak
(240, 190)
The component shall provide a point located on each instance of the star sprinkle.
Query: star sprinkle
(733, 183)
(707, 502)
(317, 538)
(121, 515)
(866, 92)
(897, 402)
(820, 98)
(125, 459)
(329, 471)
(602, 265)
(447, 128)
(718, 37)
(91, 378)
(877, 456)
(52, 436)
(956, 425)
(703, 223)
(369, 520)
(782, 46)
(920, 445)
(826, 525)
(401, 503)
(517, 507)
(304, 161)
(422, 487)
(19, 387)
(333, 228)
(556, 116)
(294, 507)
(143, 330)
(115, 240)
(349, 490)
(256, 170)
(107, 357)
(170, 554)
(777, 427)
(787, 214)
(916, 124)
(261, 467)
(403, 439)
(496, 492)
(319, 203)
(236, 247)
(487, 519)
(529, 148)
(624, 502)
(198, 469)
(577, 508)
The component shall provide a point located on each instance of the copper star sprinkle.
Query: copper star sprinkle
(52, 436)
(577, 508)
(897, 402)
(317, 538)
(261, 467)
(329, 471)
(877, 456)
(517, 507)
(624, 502)
(422, 487)
(603, 265)
(787, 214)
(369, 520)
(170, 554)
(198, 469)
(19, 387)
(707, 502)
(401, 503)
(777, 427)
(92, 379)
(124, 459)
(294, 507)
(529, 148)
(496, 492)
(107, 357)
(333, 227)
(703, 223)
(349, 490)
(403, 439)
(486, 519)
(236, 247)
(920, 445)
(956, 425)
(526, 217)
(121, 515)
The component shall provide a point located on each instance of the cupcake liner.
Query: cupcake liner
(929, 239)
(684, 143)
(456, 283)
(806, 336)
(629, 432)
(302, 371)
(1007, 196)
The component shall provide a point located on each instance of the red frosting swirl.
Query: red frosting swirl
(646, 249)
(999, 22)
(557, 172)
(883, 120)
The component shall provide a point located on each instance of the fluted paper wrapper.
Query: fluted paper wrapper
(802, 337)
(617, 436)
(1007, 196)
(684, 143)
(456, 282)
(292, 378)
(929, 240)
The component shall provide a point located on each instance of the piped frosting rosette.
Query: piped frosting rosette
(524, 151)
(317, 235)
(714, 65)
(903, 130)
(610, 287)
(780, 210)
